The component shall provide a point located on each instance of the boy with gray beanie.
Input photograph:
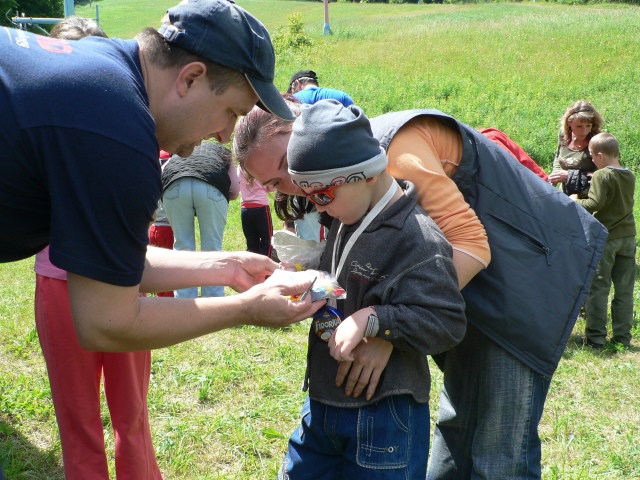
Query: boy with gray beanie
(402, 292)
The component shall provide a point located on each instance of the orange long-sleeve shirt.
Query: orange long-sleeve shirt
(427, 153)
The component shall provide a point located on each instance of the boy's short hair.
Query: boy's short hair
(75, 28)
(606, 144)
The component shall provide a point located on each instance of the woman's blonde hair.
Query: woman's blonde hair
(581, 110)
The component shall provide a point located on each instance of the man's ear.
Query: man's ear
(188, 75)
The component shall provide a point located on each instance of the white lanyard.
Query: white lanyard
(365, 223)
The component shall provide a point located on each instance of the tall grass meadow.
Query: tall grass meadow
(223, 406)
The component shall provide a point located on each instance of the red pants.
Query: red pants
(161, 236)
(74, 375)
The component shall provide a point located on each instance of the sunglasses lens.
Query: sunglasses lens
(321, 198)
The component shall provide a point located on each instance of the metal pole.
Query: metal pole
(29, 20)
(69, 8)
(35, 22)
(327, 28)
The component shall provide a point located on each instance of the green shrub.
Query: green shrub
(292, 37)
(34, 8)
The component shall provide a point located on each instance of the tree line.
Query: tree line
(30, 8)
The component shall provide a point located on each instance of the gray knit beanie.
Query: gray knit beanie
(332, 144)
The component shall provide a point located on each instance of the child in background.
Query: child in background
(75, 373)
(255, 214)
(160, 232)
(611, 202)
(200, 185)
(402, 292)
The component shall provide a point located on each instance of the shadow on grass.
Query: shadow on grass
(575, 345)
(21, 459)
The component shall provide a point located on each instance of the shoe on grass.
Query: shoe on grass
(588, 343)
(619, 346)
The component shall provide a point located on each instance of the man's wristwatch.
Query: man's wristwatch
(373, 326)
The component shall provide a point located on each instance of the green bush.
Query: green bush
(30, 8)
(7, 7)
(291, 37)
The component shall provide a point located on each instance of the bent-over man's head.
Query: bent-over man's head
(232, 50)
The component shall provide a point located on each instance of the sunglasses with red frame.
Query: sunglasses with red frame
(323, 197)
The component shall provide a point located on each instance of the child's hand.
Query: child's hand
(348, 335)
(371, 356)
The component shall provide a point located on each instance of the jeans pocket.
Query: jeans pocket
(383, 433)
(214, 194)
(172, 192)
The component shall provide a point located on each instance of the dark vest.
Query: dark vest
(209, 162)
(544, 247)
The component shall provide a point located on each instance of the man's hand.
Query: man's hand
(110, 318)
(370, 359)
(249, 269)
(270, 304)
(171, 269)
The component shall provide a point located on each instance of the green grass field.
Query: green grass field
(514, 66)
(223, 406)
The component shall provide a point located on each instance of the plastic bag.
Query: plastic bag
(296, 253)
(325, 285)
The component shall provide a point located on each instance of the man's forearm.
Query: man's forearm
(113, 318)
(160, 322)
(171, 270)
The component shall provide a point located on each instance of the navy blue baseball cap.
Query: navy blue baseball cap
(227, 34)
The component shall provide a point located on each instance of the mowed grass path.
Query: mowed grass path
(223, 406)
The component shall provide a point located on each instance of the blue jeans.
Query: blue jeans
(617, 265)
(490, 408)
(185, 199)
(387, 440)
(309, 227)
